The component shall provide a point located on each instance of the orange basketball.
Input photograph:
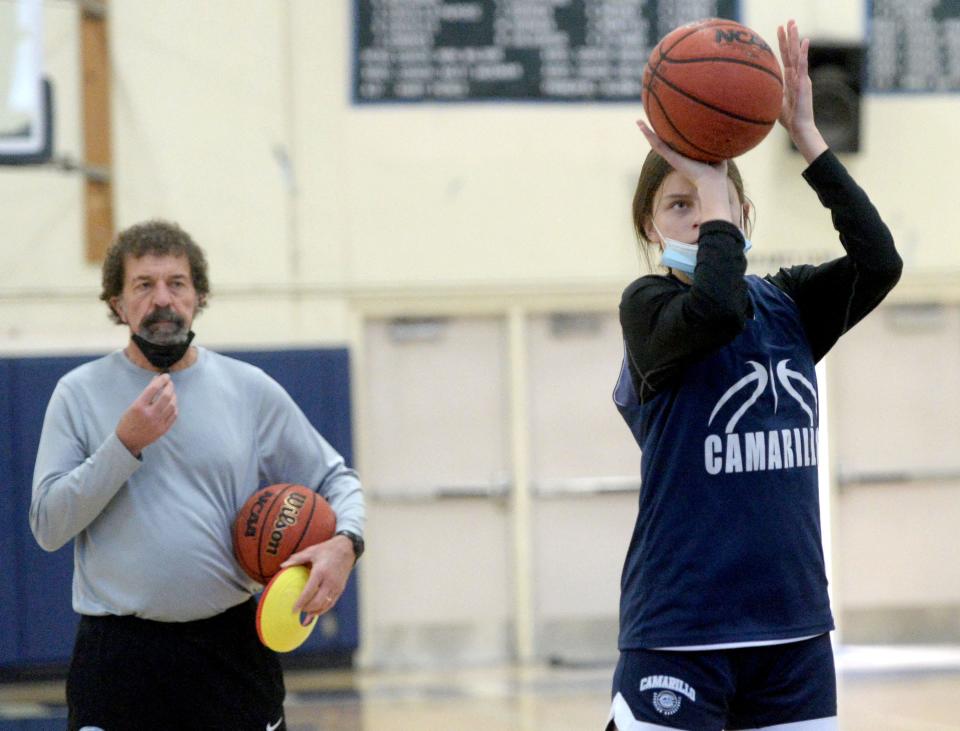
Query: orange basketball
(275, 523)
(712, 89)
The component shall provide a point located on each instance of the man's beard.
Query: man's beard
(164, 326)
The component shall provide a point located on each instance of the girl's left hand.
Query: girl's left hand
(796, 115)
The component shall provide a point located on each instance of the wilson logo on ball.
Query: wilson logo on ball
(276, 522)
(288, 516)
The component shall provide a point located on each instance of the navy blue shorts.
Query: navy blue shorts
(741, 688)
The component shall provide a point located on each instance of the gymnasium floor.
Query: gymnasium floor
(881, 689)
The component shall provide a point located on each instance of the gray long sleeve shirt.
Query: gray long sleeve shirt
(153, 534)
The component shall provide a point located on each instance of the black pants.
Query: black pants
(130, 673)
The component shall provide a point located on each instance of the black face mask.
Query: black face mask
(162, 356)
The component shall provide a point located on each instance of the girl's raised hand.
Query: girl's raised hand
(796, 114)
(709, 179)
(692, 170)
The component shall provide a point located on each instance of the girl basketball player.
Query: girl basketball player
(724, 615)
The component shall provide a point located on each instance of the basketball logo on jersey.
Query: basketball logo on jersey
(775, 449)
(666, 692)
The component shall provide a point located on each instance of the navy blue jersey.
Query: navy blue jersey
(727, 545)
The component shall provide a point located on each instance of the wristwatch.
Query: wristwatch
(356, 540)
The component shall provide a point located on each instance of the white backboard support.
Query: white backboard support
(26, 107)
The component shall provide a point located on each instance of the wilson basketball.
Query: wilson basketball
(276, 522)
(712, 89)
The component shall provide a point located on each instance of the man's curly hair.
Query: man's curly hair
(160, 238)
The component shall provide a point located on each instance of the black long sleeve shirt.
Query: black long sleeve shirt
(668, 324)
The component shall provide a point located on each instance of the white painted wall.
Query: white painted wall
(210, 99)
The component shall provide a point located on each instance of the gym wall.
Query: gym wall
(325, 221)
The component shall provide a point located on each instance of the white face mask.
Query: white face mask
(683, 257)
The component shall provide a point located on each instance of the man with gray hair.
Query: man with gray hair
(145, 458)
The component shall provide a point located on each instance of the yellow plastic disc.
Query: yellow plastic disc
(279, 626)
